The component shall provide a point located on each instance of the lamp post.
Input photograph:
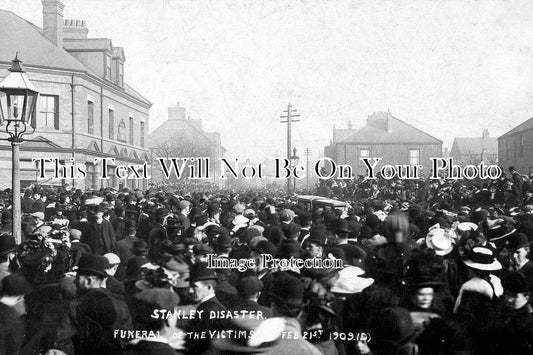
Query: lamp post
(18, 97)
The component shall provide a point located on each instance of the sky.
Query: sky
(450, 68)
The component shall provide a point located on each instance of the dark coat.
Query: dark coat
(47, 322)
(95, 334)
(11, 330)
(268, 282)
(119, 225)
(124, 247)
(85, 228)
(105, 243)
(38, 206)
(157, 235)
(26, 205)
(82, 247)
(115, 286)
(144, 347)
(204, 324)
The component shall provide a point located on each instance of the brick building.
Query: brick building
(85, 110)
(181, 136)
(475, 150)
(516, 148)
(386, 137)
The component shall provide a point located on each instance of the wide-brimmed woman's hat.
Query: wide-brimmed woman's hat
(440, 240)
(350, 281)
(482, 258)
(263, 335)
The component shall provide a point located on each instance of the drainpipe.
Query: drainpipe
(72, 95)
(101, 125)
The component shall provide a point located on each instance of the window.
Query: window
(131, 130)
(142, 134)
(111, 124)
(90, 117)
(364, 153)
(121, 131)
(521, 145)
(414, 156)
(91, 175)
(47, 114)
(108, 66)
(121, 74)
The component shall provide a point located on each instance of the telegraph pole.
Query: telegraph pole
(307, 153)
(289, 115)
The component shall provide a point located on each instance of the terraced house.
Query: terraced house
(86, 109)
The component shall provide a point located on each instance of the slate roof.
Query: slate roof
(524, 126)
(401, 133)
(474, 146)
(340, 134)
(35, 50)
(180, 128)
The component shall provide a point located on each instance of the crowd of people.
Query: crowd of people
(426, 268)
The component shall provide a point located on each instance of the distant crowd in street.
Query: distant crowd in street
(428, 267)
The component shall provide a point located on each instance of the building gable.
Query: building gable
(93, 146)
(397, 132)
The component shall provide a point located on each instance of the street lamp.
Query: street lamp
(17, 103)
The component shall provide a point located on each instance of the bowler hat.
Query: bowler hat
(289, 249)
(159, 298)
(223, 240)
(200, 272)
(140, 246)
(517, 241)
(515, 282)
(265, 247)
(161, 212)
(7, 244)
(90, 264)
(288, 289)
(15, 285)
(317, 236)
(340, 225)
(249, 285)
(134, 268)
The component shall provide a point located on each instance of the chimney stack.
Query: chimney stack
(75, 29)
(485, 134)
(176, 113)
(53, 21)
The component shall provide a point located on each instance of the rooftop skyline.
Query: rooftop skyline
(450, 69)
